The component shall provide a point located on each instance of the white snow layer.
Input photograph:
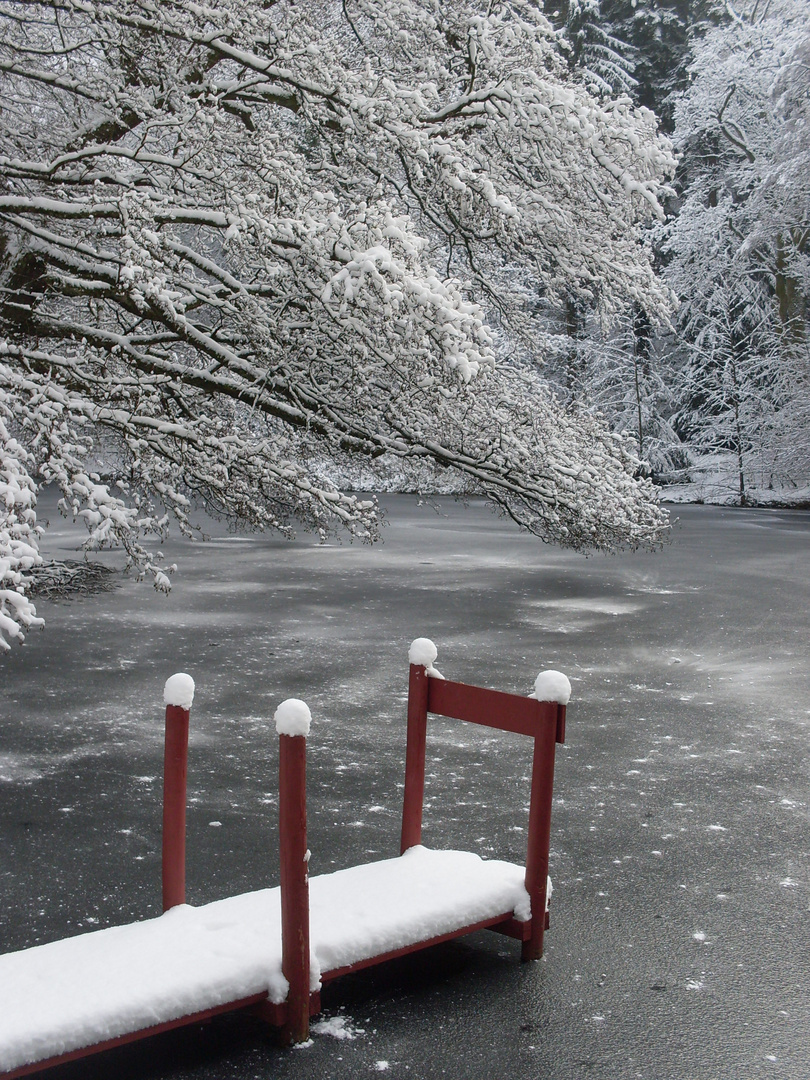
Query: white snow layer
(552, 686)
(293, 717)
(179, 691)
(69, 994)
(422, 651)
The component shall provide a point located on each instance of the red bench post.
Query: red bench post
(540, 717)
(294, 883)
(175, 773)
(540, 831)
(414, 795)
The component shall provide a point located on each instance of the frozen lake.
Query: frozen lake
(680, 935)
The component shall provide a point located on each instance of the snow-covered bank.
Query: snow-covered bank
(715, 479)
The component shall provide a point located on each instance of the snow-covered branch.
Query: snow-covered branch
(239, 240)
(18, 540)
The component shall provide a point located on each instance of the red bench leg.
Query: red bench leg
(540, 835)
(175, 772)
(415, 758)
(294, 884)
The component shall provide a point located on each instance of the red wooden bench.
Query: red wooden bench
(289, 1004)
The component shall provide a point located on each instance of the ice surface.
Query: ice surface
(68, 994)
(293, 717)
(552, 686)
(179, 691)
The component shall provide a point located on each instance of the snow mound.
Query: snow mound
(339, 1027)
(422, 651)
(179, 691)
(293, 717)
(552, 686)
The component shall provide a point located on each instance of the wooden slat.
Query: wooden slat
(521, 931)
(539, 836)
(134, 1036)
(491, 708)
(274, 1014)
(484, 924)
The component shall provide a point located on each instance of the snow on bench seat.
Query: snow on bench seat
(83, 990)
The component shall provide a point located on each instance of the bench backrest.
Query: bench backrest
(544, 721)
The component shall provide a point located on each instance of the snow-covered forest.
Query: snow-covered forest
(718, 400)
(255, 257)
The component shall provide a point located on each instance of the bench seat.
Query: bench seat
(105, 984)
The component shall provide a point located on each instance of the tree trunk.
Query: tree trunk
(791, 301)
(642, 347)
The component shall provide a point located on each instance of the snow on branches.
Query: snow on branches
(738, 253)
(18, 548)
(239, 240)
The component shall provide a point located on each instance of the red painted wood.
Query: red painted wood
(418, 689)
(491, 708)
(271, 1012)
(484, 924)
(542, 720)
(522, 931)
(133, 1036)
(292, 800)
(508, 712)
(175, 771)
(276, 1015)
(539, 837)
(511, 927)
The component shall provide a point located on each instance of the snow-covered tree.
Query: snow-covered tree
(603, 61)
(641, 50)
(732, 381)
(744, 125)
(661, 35)
(626, 375)
(239, 238)
(738, 249)
(18, 547)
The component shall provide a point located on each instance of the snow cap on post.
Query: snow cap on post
(422, 651)
(293, 717)
(552, 686)
(179, 691)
